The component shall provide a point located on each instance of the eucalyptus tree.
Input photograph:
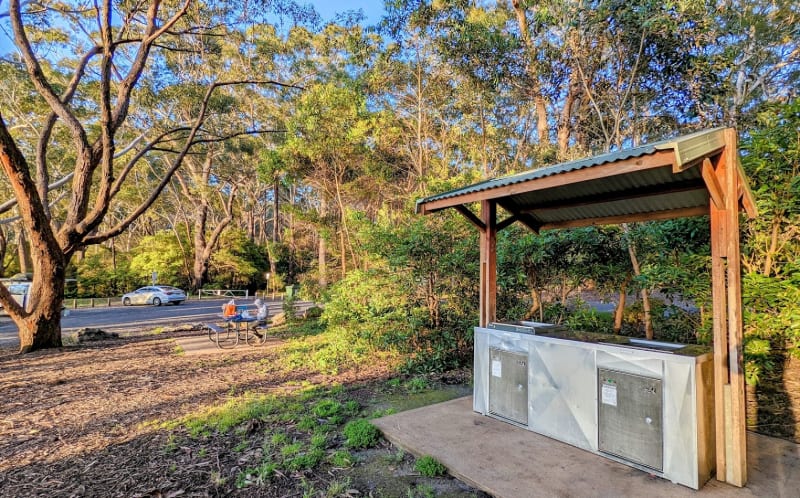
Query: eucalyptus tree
(87, 78)
(747, 52)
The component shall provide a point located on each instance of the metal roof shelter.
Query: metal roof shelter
(691, 175)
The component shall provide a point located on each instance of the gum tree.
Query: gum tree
(89, 88)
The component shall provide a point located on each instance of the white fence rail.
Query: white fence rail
(223, 293)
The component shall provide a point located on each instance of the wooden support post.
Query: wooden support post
(488, 283)
(727, 312)
(737, 461)
(719, 323)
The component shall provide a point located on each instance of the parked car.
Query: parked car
(155, 295)
(18, 290)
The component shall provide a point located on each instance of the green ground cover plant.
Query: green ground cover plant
(429, 466)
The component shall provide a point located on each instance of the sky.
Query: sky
(327, 9)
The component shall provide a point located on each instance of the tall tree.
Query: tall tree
(91, 98)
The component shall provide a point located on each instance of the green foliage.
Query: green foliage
(584, 317)
(99, 275)
(237, 262)
(342, 459)
(361, 434)
(161, 253)
(429, 466)
(327, 408)
(288, 306)
(417, 385)
(409, 302)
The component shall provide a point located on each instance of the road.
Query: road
(126, 318)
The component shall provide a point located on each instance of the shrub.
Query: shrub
(430, 467)
(361, 434)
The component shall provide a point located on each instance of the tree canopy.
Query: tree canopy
(216, 142)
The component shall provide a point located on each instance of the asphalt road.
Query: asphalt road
(130, 318)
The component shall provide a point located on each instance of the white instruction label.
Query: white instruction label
(497, 368)
(609, 394)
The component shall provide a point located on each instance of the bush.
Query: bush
(430, 467)
(361, 434)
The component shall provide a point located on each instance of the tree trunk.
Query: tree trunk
(343, 251)
(3, 247)
(276, 212)
(40, 322)
(648, 322)
(539, 101)
(322, 249)
(619, 311)
(199, 272)
(42, 328)
(773, 246)
(23, 251)
(322, 263)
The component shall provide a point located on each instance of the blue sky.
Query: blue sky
(327, 9)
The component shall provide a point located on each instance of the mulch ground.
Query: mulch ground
(78, 421)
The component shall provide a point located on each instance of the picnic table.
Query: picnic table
(236, 327)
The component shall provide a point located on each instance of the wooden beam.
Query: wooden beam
(748, 200)
(529, 221)
(488, 249)
(629, 218)
(507, 222)
(712, 183)
(658, 159)
(737, 461)
(524, 218)
(469, 215)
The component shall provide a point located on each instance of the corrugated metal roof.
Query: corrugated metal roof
(687, 148)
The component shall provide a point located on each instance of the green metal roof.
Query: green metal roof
(691, 146)
(659, 180)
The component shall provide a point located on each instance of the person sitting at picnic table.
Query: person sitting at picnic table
(262, 312)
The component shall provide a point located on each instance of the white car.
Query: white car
(155, 295)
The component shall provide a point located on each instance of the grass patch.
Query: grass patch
(342, 459)
(232, 413)
(429, 466)
(417, 385)
(361, 434)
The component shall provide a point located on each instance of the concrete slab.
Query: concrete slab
(510, 462)
(200, 344)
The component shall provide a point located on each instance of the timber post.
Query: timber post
(729, 392)
(488, 258)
